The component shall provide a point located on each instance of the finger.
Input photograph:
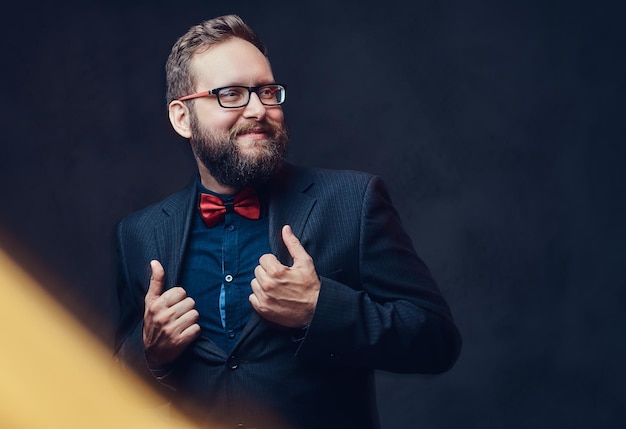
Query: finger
(182, 307)
(262, 276)
(295, 248)
(188, 319)
(258, 294)
(190, 333)
(254, 300)
(173, 296)
(157, 278)
(268, 260)
(257, 290)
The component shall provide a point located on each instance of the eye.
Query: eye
(268, 92)
(232, 93)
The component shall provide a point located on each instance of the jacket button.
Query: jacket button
(233, 362)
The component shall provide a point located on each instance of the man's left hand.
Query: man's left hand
(285, 295)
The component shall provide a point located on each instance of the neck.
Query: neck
(209, 182)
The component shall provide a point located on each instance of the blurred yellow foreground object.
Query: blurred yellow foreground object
(54, 374)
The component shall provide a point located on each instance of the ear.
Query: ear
(179, 118)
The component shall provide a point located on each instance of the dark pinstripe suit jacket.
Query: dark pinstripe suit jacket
(378, 308)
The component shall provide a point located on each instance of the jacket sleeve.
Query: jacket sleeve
(393, 317)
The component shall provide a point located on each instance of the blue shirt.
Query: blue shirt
(217, 270)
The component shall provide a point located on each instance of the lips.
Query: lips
(255, 130)
(255, 133)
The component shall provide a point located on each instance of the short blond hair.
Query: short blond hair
(200, 37)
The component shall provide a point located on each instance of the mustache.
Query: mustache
(265, 126)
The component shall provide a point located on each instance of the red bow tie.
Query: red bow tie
(213, 209)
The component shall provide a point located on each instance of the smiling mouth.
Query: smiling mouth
(254, 133)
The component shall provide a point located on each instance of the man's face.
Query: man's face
(241, 146)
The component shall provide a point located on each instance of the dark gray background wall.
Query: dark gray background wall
(498, 127)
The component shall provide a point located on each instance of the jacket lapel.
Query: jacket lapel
(172, 232)
(288, 205)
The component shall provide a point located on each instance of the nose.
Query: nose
(254, 109)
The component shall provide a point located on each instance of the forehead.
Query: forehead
(232, 62)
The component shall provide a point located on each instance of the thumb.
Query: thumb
(295, 248)
(156, 280)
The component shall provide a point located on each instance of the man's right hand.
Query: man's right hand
(169, 320)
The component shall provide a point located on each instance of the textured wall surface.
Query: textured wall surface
(498, 127)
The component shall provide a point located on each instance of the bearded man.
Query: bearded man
(265, 295)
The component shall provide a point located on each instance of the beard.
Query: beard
(221, 154)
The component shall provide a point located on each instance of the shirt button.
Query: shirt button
(230, 227)
(233, 362)
(228, 278)
(231, 334)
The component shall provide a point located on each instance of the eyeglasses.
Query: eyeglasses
(232, 97)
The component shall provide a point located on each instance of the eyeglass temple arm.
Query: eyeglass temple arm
(196, 95)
